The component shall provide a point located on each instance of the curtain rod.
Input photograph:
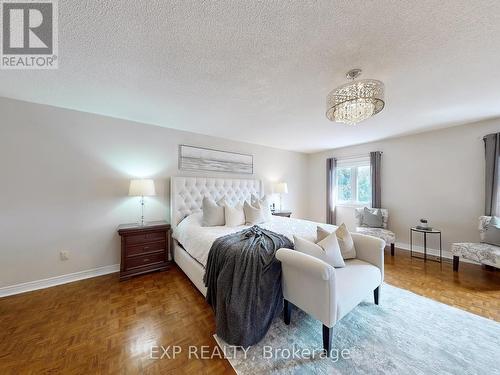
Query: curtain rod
(354, 156)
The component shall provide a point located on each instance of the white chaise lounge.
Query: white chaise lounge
(328, 293)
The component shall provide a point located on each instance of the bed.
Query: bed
(192, 242)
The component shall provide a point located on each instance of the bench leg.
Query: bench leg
(287, 312)
(327, 339)
(376, 295)
(455, 263)
(392, 249)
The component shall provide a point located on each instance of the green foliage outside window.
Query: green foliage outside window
(344, 184)
(364, 184)
(354, 184)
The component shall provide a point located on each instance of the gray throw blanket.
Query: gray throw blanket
(243, 278)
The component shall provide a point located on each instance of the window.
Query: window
(354, 181)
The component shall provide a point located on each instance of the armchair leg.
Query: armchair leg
(392, 249)
(327, 339)
(455, 263)
(376, 294)
(287, 311)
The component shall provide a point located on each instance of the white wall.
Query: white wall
(64, 179)
(438, 175)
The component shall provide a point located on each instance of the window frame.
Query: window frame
(353, 164)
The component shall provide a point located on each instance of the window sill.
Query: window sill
(352, 205)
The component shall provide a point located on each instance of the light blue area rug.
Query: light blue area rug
(405, 334)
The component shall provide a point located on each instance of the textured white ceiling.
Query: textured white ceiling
(259, 71)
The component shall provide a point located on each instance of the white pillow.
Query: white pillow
(253, 215)
(213, 213)
(328, 249)
(344, 238)
(264, 204)
(234, 216)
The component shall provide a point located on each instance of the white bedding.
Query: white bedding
(198, 240)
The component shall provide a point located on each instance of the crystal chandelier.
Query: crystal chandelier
(355, 101)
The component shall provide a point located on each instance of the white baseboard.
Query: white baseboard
(57, 280)
(447, 254)
(420, 249)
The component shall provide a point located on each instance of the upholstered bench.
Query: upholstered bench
(480, 252)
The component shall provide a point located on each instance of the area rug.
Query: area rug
(405, 334)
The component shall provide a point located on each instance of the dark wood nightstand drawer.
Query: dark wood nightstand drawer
(146, 248)
(144, 238)
(145, 260)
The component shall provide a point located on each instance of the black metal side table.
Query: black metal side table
(425, 232)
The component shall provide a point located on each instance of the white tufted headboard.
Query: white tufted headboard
(186, 193)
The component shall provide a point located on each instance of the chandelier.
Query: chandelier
(355, 101)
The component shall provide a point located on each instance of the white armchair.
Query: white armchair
(328, 293)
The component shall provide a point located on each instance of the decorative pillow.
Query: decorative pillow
(327, 250)
(344, 238)
(321, 234)
(234, 216)
(492, 234)
(213, 213)
(264, 203)
(253, 215)
(372, 220)
(495, 221)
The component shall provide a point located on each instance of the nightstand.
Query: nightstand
(144, 248)
(282, 213)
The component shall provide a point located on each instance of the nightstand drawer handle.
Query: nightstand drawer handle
(146, 247)
(146, 260)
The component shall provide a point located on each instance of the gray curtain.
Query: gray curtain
(492, 151)
(331, 166)
(375, 161)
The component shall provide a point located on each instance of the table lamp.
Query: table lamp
(142, 188)
(281, 188)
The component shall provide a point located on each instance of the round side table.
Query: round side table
(425, 233)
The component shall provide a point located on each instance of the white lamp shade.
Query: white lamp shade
(281, 188)
(139, 188)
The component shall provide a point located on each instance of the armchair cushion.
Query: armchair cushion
(370, 249)
(354, 282)
(384, 234)
(479, 252)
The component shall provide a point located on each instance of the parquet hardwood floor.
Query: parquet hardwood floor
(473, 288)
(104, 326)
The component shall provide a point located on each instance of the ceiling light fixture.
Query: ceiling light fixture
(355, 101)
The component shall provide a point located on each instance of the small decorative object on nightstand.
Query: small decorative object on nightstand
(282, 213)
(424, 225)
(145, 248)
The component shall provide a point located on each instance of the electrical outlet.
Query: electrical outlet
(64, 255)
